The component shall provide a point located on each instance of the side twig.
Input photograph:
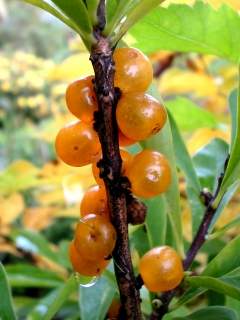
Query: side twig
(110, 168)
(197, 243)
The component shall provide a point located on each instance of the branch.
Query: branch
(110, 168)
(197, 243)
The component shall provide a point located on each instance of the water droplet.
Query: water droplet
(85, 281)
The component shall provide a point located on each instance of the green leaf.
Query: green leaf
(234, 223)
(233, 106)
(36, 243)
(183, 109)
(92, 6)
(50, 9)
(184, 28)
(140, 240)
(128, 14)
(211, 313)
(77, 12)
(111, 6)
(224, 202)
(24, 275)
(184, 163)
(6, 305)
(48, 306)
(95, 301)
(156, 221)
(229, 285)
(72, 13)
(163, 143)
(209, 163)
(225, 262)
(233, 304)
(233, 168)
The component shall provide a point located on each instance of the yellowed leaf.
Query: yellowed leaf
(38, 218)
(73, 212)
(22, 167)
(176, 81)
(45, 263)
(8, 248)
(10, 208)
(203, 136)
(75, 66)
(50, 196)
(75, 184)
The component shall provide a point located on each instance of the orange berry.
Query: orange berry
(149, 174)
(81, 99)
(94, 201)
(140, 115)
(77, 144)
(95, 237)
(133, 70)
(124, 141)
(114, 309)
(83, 266)
(126, 162)
(127, 159)
(161, 269)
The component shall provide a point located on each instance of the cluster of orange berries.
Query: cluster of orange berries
(139, 116)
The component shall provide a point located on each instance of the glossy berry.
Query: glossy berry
(124, 141)
(95, 237)
(77, 144)
(149, 174)
(140, 115)
(127, 159)
(81, 99)
(161, 269)
(85, 267)
(94, 201)
(133, 70)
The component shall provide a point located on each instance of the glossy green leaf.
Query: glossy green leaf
(185, 164)
(48, 306)
(224, 202)
(233, 304)
(130, 14)
(111, 6)
(211, 313)
(92, 6)
(94, 301)
(24, 275)
(225, 262)
(209, 163)
(228, 285)
(163, 143)
(233, 168)
(156, 221)
(233, 106)
(50, 9)
(36, 243)
(182, 28)
(140, 240)
(232, 224)
(6, 305)
(77, 12)
(183, 109)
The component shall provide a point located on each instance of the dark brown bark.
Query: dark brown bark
(110, 168)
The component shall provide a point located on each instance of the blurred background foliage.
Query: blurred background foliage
(39, 195)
